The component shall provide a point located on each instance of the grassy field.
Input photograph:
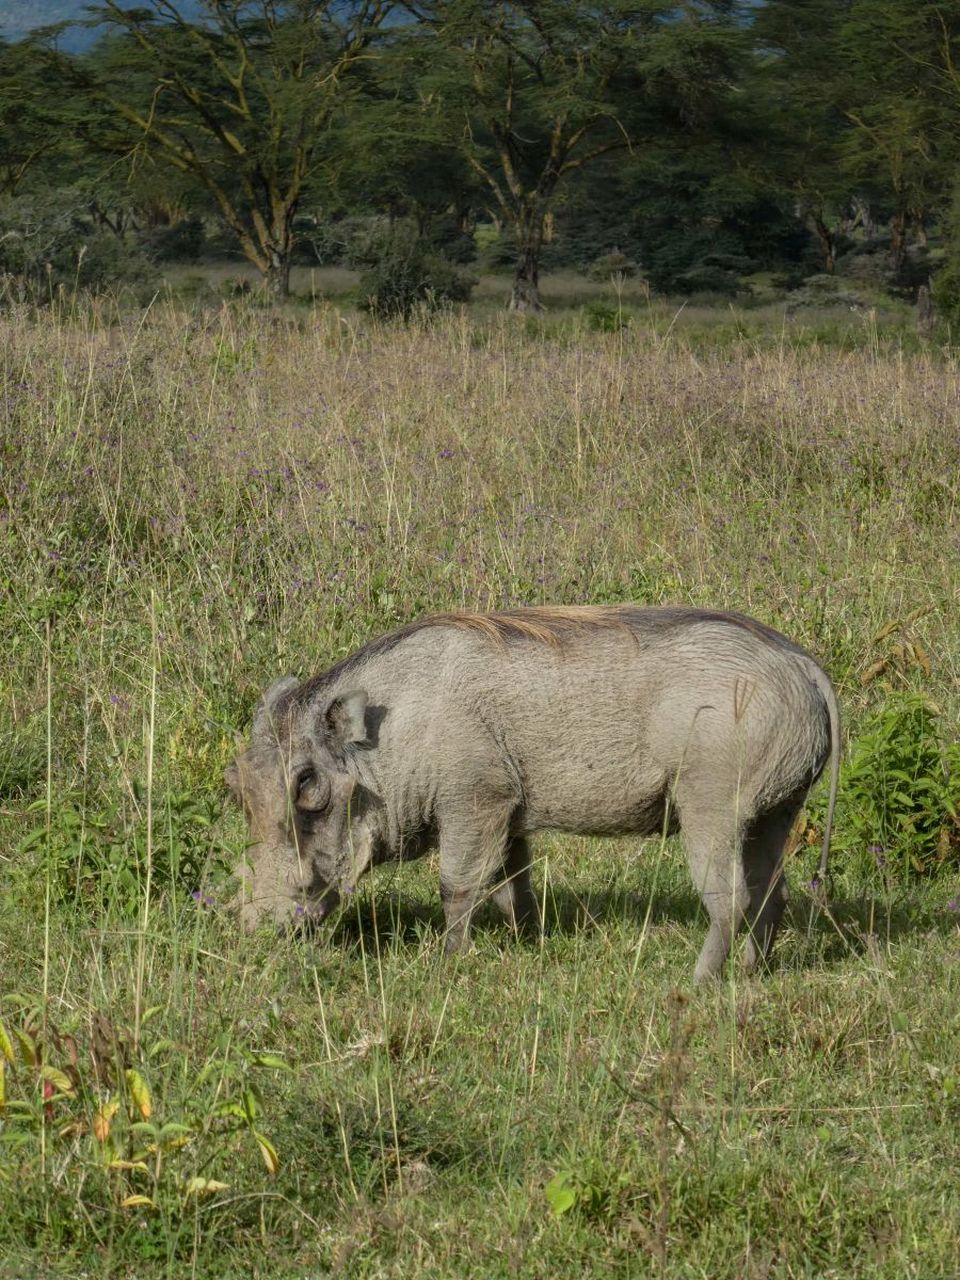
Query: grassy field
(194, 502)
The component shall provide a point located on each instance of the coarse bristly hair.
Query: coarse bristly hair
(550, 625)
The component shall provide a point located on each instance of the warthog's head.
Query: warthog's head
(312, 826)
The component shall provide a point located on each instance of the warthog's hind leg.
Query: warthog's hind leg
(763, 867)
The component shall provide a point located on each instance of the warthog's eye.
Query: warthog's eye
(313, 792)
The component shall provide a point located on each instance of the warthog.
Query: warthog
(470, 731)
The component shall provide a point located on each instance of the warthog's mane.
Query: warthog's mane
(548, 625)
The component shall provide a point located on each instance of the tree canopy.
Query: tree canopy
(700, 136)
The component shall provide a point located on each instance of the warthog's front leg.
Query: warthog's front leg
(472, 853)
(512, 891)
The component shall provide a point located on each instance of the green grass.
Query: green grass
(194, 503)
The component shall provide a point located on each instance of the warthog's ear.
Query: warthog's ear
(231, 776)
(345, 720)
(264, 722)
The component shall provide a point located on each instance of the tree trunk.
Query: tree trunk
(898, 240)
(277, 275)
(525, 294)
(825, 239)
(926, 318)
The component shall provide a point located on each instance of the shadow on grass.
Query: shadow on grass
(849, 927)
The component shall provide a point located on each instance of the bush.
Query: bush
(446, 237)
(946, 282)
(47, 241)
(900, 791)
(601, 316)
(823, 291)
(407, 276)
(694, 260)
(90, 857)
(614, 263)
(183, 241)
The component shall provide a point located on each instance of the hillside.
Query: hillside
(19, 17)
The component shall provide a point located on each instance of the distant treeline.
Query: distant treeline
(696, 142)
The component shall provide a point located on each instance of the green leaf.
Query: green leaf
(561, 1196)
(28, 1047)
(204, 1186)
(269, 1153)
(268, 1060)
(139, 1093)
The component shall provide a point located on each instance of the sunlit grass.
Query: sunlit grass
(194, 503)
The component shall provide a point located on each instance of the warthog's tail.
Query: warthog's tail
(822, 681)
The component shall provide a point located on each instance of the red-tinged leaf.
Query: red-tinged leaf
(269, 1153)
(56, 1081)
(139, 1093)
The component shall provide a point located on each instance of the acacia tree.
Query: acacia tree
(798, 89)
(533, 90)
(31, 118)
(241, 100)
(898, 55)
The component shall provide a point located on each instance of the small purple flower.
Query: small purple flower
(953, 904)
(299, 911)
(445, 453)
(203, 899)
(815, 884)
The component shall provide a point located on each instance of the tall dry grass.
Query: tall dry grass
(193, 503)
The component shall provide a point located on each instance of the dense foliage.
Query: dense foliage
(706, 140)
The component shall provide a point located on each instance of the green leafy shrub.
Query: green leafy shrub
(614, 263)
(946, 282)
(604, 317)
(824, 291)
(92, 857)
(900, 791)
(406, 276)
(78, 1095)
